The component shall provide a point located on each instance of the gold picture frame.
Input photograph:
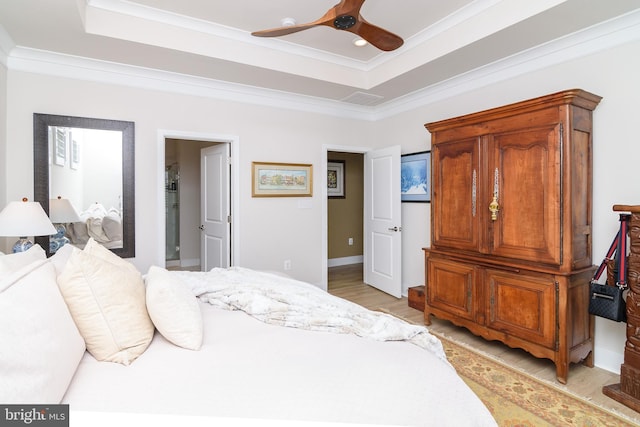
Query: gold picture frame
(281, 179)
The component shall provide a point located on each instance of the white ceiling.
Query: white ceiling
(211, 39)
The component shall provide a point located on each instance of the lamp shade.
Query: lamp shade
(22, 219)
(62, 211)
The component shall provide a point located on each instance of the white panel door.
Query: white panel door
(215, 225)
(382, 222)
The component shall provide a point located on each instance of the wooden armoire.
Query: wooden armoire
(510, 255)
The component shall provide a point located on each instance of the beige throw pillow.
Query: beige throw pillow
(174, 309)
(107, 301)
(94, 248)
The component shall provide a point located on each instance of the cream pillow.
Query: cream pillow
(107, 302)
(112, 226)
(78, 233)
(94, 248)
(40, 346)
(174, 309)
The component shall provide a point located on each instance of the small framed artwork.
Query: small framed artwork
(335, 179)
(59, 145)
(281, 180)
(416, 177)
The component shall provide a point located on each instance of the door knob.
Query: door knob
(201, 228)
(395, 229)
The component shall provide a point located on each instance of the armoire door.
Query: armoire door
(522, 306)
(524, 175)
(452, 288)
(455, 194)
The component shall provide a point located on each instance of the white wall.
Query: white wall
(275, 229)
(272, 229)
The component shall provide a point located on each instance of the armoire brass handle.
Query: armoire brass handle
(494, 208)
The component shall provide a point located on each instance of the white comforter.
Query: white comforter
(282, 301)
(249, 370)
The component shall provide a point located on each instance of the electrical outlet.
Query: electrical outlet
(287, 264)
(350, 241)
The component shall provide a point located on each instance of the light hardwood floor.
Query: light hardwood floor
(346, 282)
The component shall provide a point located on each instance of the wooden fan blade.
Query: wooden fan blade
(283, 31)
(378, 37)
(347, 7)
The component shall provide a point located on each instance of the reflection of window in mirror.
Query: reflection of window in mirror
(91, 179)
(59, 136)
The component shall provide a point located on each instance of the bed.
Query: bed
(231, 346)
(97, 223)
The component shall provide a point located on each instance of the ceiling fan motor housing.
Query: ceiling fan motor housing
(344, 22)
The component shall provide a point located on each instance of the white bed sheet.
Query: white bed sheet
(251, 370)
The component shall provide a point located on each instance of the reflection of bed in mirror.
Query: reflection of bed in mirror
(97, 222)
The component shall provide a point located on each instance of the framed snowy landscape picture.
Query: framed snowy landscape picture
(415, 178)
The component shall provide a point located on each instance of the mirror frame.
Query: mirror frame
(41, 123)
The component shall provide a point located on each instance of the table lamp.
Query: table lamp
(61, 212)
(22, 219)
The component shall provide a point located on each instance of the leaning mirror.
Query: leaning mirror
(84, 180)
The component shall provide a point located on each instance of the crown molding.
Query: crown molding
(607, 35)
(80, 68)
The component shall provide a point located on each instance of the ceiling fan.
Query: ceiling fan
(344, 16)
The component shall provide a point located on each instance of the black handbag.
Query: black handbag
(607, 300)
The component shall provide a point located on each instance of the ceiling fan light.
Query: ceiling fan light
(360, 42)
(288, 22)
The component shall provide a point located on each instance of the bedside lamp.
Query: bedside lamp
(22, 219)
(61, 212)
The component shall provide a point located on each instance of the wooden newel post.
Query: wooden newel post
(627, 391)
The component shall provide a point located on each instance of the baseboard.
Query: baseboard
(190, 262)
(182, 263)
(336, 262)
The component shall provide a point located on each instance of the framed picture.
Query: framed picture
(281, 180)
(415, 178)
(335, 179)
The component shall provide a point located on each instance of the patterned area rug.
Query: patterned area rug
(516, 399)
(519, 400)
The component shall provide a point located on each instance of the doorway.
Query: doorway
(182, 202)
(382, 260)
(345, 212)
(169, 144)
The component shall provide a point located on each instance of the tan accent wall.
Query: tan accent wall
(345, 216)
